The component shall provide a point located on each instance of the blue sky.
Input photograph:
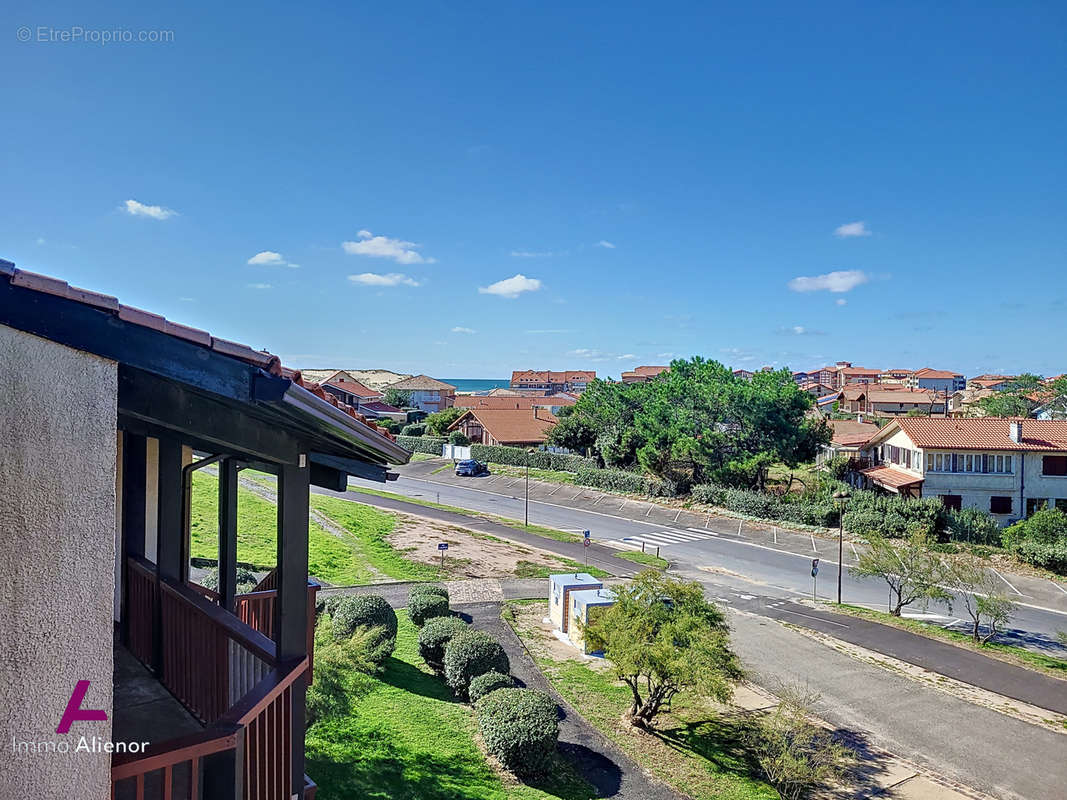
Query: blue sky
(659, 175)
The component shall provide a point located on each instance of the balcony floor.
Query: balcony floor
(144, 711)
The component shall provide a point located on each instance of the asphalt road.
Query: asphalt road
(716, 547)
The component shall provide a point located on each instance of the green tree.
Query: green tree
(1016, 398)
(1040, 540)
(982, 595)
(663, 637)
(398, 398)
(438, 423)
(573, 431)
(912, 571)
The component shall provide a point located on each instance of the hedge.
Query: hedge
(973, 525)
(435, 636)
(362, 610)
(538, 459)
(487, 683)
(428, 588)
(247, 580)
(414, 429)
(521, 728)
(1040, 540)
(617, 480)
(425, 606)
(422, 444)
(469, 654)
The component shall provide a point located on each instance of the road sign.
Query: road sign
(815, 563)
(585, 542)
(442, 546)
(585, 535)
(814, 571)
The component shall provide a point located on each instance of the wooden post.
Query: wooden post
(169, 548)
(224, 772)
(291, 608)
(227, 532)
(134, 457)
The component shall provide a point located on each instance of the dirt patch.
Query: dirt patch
(529, 620)
(470, 554)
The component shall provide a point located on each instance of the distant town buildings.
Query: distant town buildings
(643, 374)
(427, 394)
(568, 381)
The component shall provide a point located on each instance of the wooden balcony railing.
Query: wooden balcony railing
(169, 769)
(142, 599)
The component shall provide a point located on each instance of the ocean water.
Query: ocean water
(477, 384)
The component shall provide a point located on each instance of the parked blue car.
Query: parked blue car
(471, 468)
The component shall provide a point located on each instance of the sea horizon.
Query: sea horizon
(478, 384)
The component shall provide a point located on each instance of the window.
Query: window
(1000, 464)
(1034, 504)
(1061, 504)
(953, 501)
(1054, 465)
(1007, 464)
(929, 462)
(970, 463)
(999, 505)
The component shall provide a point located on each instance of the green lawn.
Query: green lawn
(528, 569)
(696, 748)
(400, 735)
(1020, 656)
(648, 559)
(548, 475)
(329, 558)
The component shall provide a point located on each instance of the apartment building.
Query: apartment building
(643, 374)
(565, 381)
(1006, 467)
(944, 381)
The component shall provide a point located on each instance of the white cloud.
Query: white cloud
(625, 356)
(605, 243)
(511, 287)
(665, 355)
(386, 279)
(383, 247)
(461, 329)
(259, 286)
(842, 301)
(136, 209)
(852, 229)
(549, 330)
(532, 254)
(842, 280)
(800, 330)
(268, 258)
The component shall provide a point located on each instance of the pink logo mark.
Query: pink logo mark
(75, 711)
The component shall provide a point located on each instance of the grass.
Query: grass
(550, 533)
(528, 569)
(648, 559)
(696, 748)
(423, 457)
(329, 558)
(400, 735)
(369, 528)
(1019, 656)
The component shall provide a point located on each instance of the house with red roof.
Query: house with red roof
(643, 374)
(1009, 468)
(939, 380)
(566, 381)
(512, 427)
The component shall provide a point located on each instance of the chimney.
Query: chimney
(1015, 431)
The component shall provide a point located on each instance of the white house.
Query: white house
(1006, 467)
(938, 380)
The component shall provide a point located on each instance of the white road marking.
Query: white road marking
(739, 524)
(650, 507)
(776, 536)
(1058, 587)
(677, 515)
(854, 551)
(599, 499)
(576, 496)
(813, 543)
(995, 572)
(707, 522)
(556, 490)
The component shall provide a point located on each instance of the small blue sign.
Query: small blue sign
(814, 571)
(442, 546)
(585, 534)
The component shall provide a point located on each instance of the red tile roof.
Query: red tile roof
(422, 383)
(511, 425)
(505, 402)
(547, 376)
(849, 432)
(352, 387)
(927, 372)
(890, 477)
(983, 433)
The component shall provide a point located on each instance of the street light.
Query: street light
(526, 520)
(842, 500)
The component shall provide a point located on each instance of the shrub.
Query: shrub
(521, 728)
(1040, 540)
(709, 493)
(459, 439)
(414, 429)
(246, 580)
(972, 525)
(469, 654)
(426, 606)
(488, 682)
(430, 445)
(539, 459)
(618, 480)
(435, 636)
(362, 610)
(838, 467)
(428, 588)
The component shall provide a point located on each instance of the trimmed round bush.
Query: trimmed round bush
(487, 683)
(246, 580)
(426, 606)
(521, 728)
(470, 654)
(435, 636)
(428, 588)
(362, 611)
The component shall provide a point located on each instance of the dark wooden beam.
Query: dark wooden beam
(351, 466)
(198, 419)
(170, 548)
(227, 531)
(134, 455)
(291, 608)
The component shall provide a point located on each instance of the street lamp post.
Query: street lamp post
(842, 499)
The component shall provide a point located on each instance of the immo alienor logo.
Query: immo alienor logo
(74, 710)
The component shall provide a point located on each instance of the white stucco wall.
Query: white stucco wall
(57, 550)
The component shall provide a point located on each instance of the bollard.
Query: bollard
(642, 547)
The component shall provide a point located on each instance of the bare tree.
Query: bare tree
(982, 596)
(912, 572)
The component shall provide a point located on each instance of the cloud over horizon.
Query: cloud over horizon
(383, 247)
(383, 279)
(268, 258)
(136, 209)
(511, 287)
(843, 280)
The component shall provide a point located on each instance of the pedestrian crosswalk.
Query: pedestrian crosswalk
(662, 538)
